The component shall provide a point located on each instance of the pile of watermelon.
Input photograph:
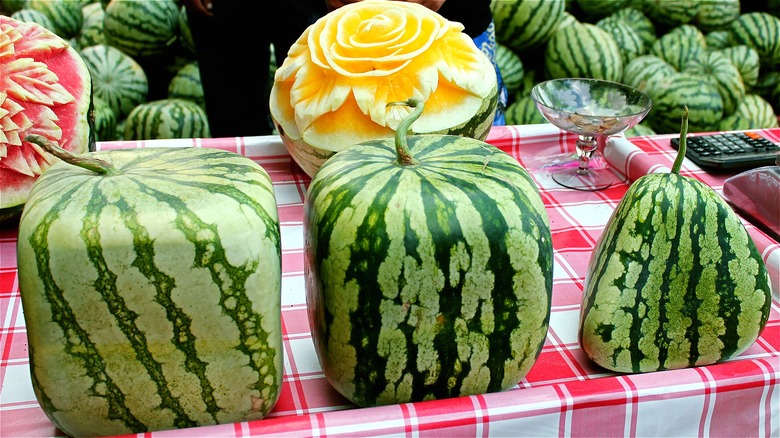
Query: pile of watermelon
(141, 58)
(721, 58)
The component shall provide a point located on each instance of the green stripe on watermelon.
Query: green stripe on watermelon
(33, 16)
(679, 45)
(717, 14)
(143, 348)
(104, 120)
(718, 70)
(746, 60)
(511, 67)
(523, 111)
(753, 112)
(643, 72)
(117, 78)
(592, 10)
(717, 39)
(166, 118)
(629, 42)
(705, 105)
(674, 281)
(638, 21)
(91, 32)
(583, 50)
(65, 15)
(141, 28)
(760, 31)
(186, 85)
(671, 13)
(524, 24)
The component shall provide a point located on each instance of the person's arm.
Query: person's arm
(201, 6)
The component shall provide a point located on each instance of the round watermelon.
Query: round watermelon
(166, 118)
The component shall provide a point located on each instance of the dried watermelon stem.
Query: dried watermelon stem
(85, 161)
(401, 145)
(677, 165)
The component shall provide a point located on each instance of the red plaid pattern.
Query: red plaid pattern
(564, 394)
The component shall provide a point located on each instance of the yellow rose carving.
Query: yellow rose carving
(333, 88)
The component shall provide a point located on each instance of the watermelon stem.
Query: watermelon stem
(85, 161)
(401, 145)
(683, 142)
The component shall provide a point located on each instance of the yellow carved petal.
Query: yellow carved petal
(342, 128)
(316, 92)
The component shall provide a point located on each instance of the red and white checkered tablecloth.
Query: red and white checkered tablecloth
(564, 394)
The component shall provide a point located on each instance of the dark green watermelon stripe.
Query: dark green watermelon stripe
(753, 29)
(183, 337)
(148, 120)
(370, 369)
(140, 16)
(237, 168)
(78, 343)
(521, 16)
(124, 317)
(438, 208)
(229, 279)
(505, 312)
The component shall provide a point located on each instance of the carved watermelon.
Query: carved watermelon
(45, 89)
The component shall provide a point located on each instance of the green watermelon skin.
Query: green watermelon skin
(166, 118)
(761, 31)
(511, 67)
(117, 78)
(152, 296)
(629, 42)
(639, 23)
(679, 45)
(753, 112)
(680, 282)
(525, 24)
(33, 16)
(583, 50)
(644, 72)
(186, 85)
(104, 120)
(716, 15)
(672, 93)
(141, 28)
(65, 15)
(419, 284)
(746, 60)
(523, 111)
(718, 70)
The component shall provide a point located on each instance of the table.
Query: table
(564, 394)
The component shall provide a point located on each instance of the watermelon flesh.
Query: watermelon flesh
(45, 89)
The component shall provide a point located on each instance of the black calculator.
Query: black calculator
(738, 150)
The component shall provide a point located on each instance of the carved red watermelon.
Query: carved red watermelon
(45, 89)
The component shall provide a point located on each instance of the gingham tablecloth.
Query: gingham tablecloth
(563, 394)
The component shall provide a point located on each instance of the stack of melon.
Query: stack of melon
(141, 58)
(719, 57)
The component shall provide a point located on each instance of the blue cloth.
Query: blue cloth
(486, 42)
